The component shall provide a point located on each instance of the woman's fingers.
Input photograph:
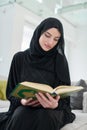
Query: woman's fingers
(42, 99)
(47, 101)
(57, 98)
(29, 102)
(25, 101)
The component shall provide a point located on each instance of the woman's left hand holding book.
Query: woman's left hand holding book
(30, 102)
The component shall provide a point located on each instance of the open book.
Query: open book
(28, 89)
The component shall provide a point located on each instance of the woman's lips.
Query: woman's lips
(47, 46)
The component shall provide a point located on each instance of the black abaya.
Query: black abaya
(33, 118)
(25, 118)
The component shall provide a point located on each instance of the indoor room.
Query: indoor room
(18, 20)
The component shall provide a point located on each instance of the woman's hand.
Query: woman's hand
(48, 101)
(30, 102)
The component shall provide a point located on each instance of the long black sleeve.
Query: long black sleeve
(13, 80)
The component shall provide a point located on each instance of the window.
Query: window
(27, 35)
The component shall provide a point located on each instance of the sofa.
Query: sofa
(78, 104)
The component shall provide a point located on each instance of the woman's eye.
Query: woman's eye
(47, 35)
(56, 40)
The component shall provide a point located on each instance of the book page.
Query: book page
(67, 89)
(38, 86)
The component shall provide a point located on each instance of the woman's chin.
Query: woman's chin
(46, 49)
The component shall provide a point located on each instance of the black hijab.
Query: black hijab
(41, 59)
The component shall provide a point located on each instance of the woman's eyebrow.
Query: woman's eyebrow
(51, 35)
(48, 33)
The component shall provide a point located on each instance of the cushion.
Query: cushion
(4, 105)
(1, 94)
(76, 98)
(3, 84)
(85, 102)
(80, 122)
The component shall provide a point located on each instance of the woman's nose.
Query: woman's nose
(51, 41)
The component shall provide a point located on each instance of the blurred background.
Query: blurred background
(19, 18)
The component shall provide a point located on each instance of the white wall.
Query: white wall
(12, 19)
(78, 55)
(6, 30)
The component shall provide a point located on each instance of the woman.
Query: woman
(44, 62)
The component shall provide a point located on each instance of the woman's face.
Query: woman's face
(49, 39)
